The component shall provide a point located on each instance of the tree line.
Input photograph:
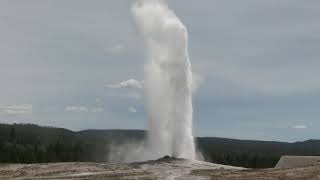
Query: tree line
(28, 143)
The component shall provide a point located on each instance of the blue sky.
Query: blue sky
(256, 62)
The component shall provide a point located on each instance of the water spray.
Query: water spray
(168, 80)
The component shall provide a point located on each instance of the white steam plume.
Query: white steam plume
(168, 80)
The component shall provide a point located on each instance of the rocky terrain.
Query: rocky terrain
(165, 168)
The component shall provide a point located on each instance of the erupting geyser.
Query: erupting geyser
(168, 80)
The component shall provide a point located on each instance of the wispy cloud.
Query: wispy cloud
(96, 110)
(76, 109)
(131, 83)
(300, 126)
(24, 109)
(117, 48)
(132, 109)
(83, 109)
(136, 84)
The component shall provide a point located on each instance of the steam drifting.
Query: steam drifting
(168, 80)
(167, 86)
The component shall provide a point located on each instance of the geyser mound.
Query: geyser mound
(168, 80)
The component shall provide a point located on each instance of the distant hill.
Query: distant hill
(28, 143)
(250, 153)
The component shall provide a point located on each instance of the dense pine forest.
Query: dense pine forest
(27, 143)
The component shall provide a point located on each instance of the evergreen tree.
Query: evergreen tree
(12, 134)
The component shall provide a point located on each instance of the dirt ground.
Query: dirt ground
(160, 169)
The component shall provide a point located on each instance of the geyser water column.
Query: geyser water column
(168, 80)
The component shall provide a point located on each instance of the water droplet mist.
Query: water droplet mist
(168, 80)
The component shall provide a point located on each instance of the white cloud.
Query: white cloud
(131, 83)
(135, 84)
(132, 95)
(96, 110)
(83, 109)
(118, 48)
(24, 109)
(301, 126)
(132, 109)
(76, 109)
